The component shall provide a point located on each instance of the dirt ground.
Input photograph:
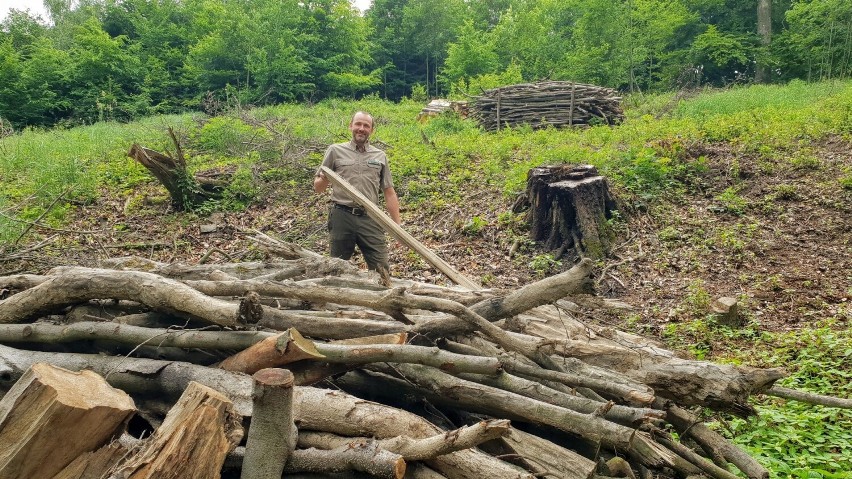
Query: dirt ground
(773, 233)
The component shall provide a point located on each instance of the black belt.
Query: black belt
(352, 210)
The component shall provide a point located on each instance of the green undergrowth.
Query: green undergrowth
(653, 152)
(790, 438)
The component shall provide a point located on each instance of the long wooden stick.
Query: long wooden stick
(397, 232)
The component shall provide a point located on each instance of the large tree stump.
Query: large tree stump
(569, 207)
(52, 415)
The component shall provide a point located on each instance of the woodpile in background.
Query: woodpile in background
(307, 366)
(543, 104)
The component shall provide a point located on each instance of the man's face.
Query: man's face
(361, 128)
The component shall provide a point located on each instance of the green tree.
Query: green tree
(818, 41)
(724, 57)
(471, 55)
(104, 76)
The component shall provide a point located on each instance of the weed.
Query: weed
(786, 192)
(543, 264)
(731, 201)
(474, 226)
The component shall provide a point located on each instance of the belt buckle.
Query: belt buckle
(358, 211)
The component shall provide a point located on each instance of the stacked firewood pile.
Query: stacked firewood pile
(308, 366)
(551, 103)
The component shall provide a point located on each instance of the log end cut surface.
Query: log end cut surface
(51, 416)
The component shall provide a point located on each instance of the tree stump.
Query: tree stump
(185, 189)
(569, 208)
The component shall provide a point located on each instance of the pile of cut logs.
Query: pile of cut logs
(543, 104)
(307, 366)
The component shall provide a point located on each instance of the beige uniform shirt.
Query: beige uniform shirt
(368, 172)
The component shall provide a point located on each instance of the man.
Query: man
(366, 168)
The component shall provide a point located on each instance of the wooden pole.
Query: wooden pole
(397, 232)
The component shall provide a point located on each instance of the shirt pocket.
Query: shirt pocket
(345, 167)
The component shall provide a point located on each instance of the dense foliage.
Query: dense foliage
(122, 59)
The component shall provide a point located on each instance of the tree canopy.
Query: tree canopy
(120, 59)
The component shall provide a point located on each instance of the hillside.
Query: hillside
(747, 201)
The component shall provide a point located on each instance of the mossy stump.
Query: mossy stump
(569, 209)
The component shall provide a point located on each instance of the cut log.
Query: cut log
(416, 449)
(272, 433)
(272, 352)
(539, 293)
(193, 441)
(444, 389)
(95, 464)
(52, 415)
(347, 415)
(569, 206)
(311, 372)
(367, 457)
(542, 456)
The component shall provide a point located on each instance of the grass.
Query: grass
(644, 158)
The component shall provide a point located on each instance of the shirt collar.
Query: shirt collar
(355, 147)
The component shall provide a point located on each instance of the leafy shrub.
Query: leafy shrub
(229, 136)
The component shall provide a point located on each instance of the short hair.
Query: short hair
(359, 112)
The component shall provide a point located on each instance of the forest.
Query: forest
(94, 60)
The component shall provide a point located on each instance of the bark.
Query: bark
(82, 284)
(280, 248)
(417, 449)
(429, 356)
(272, 352)
(444, 389)
(193, 441)
(311, 372)
(366, 457)
(810, 398)
(764, 32)
(543, 457)
(184, 190)
(706, 466)
(313, 267)
(52, 415)
(129, 335)
(146, 377)
(569, 207)
(688, 382)
(528, 297)
(621, 414)
(347, 415)
(316, 409)
(690, 426)
(272, 434)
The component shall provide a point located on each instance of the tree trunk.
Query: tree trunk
(542, 456)
(569, 206)
(444, 389)
(185, 191)
(52, 415)
(762, 72)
